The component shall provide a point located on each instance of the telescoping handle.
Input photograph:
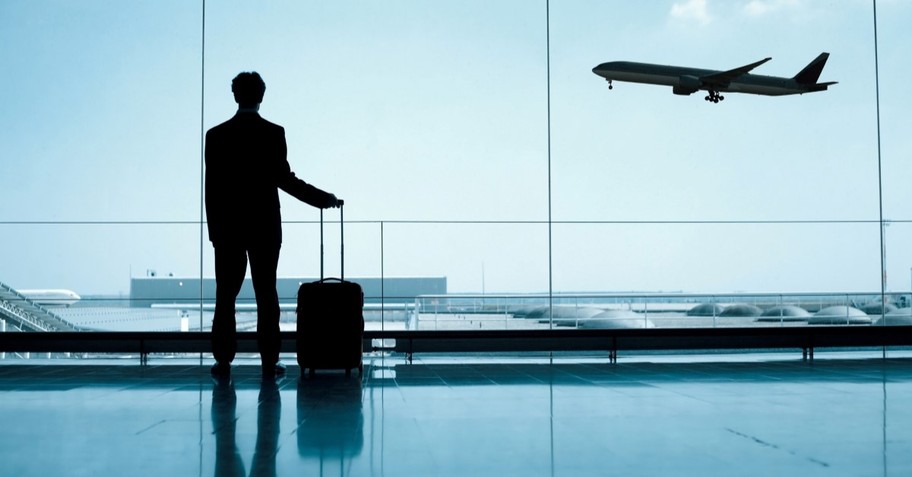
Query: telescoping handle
(341, 241)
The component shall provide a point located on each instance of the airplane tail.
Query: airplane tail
(811, 72)
(820, 86)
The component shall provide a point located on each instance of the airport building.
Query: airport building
(146, 291)
(590, 240)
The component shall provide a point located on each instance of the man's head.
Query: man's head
(248, 89)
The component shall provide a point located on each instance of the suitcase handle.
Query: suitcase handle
(341, 240)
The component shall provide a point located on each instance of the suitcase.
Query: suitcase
(330, 324)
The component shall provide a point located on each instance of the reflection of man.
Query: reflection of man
(246, 164)
(228, 461)
(269, 414)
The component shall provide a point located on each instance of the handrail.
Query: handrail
(409, 342)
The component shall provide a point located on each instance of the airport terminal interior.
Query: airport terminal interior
(508, 212)
(701, 415)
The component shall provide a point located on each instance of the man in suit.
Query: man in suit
(246, 165)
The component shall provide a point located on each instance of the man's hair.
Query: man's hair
(248, 88)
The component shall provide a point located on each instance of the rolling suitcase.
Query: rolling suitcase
(330, 325)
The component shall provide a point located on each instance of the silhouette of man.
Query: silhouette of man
(246, 165)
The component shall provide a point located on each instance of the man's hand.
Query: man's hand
(332, 202)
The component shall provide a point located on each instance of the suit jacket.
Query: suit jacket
(246, 165)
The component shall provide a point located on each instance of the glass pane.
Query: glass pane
(102, 117)
(489, 269)
(723, 258)
(639, 152)
(405, 110)
(99, 263)
(896, 143)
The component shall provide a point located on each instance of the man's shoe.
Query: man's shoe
(274, 370)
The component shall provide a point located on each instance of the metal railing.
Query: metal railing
(28, 315)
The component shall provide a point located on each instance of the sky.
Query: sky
(432, 121)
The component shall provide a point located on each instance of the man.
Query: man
(246, 165)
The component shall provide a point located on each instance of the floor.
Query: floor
(463, 416)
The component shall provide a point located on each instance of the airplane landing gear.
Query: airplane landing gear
(714, 96)
(610, 85)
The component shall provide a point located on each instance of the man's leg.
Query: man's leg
(230, 268)
(263, 263)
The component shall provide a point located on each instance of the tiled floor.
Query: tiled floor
(466, 417)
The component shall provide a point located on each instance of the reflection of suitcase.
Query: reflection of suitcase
(330, 320)
(331, 419)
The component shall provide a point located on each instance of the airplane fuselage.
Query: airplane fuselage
(672, 76)
(686, 81)
(687, 78)
(56, 297)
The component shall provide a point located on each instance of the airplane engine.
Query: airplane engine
(687, 85)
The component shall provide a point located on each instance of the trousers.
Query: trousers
(230, 270)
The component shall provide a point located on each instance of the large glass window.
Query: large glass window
(100, 143)
(694, 171)
(470, 141)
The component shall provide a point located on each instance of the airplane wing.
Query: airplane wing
(725, 77)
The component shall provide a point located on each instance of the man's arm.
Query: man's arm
(212, 191)
(305, 192)
(297, 188)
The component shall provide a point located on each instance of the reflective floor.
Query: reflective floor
(463, 417)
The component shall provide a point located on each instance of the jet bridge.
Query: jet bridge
(26, 315)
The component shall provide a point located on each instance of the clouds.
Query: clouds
(765, 7)
(696, 11)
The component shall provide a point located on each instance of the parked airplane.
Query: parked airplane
(686, 81)
(51, 297)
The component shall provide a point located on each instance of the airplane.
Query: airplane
(686, 81)
(51, 297)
